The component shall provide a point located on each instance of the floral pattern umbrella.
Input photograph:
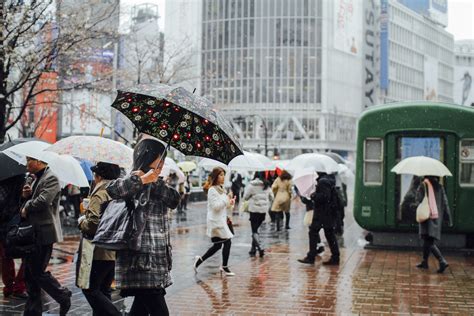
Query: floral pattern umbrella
(94, 148)
(183, 120)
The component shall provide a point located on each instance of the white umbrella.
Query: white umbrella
(422, 166)
(94, 148)
(345, 173)
(305, 180)
(66, 168)
(34, 149)
(171, 166)
(251, 162)
(209, 164)
(318, 162)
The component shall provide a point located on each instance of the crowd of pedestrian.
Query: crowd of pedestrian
(142, 269)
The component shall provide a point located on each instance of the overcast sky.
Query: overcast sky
(460, 16)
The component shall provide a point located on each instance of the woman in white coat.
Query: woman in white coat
(218, 202)
(259, 196)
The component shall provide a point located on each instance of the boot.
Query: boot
(306, 260)
(333, 261)
(252, 252)
(261, 252)
(442, 262)
(423, 264)
(287, 226)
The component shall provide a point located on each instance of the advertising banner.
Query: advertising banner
(371, 52)
(431, 78)
(86, 112)
(463, 90)
(347, 26)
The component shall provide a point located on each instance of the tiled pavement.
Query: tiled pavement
(367, 282)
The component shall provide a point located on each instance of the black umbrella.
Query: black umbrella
(183, 120)
(10, 167)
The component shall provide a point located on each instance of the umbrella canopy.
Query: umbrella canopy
(346, 175)
(183, 120)
(209, 164)
(336, 157)
(318, 162)
(305, 180)
(421, 166)
(67, 169)
(251, 162)
(171, 166)
(187, 166)
(11, 167)
(95, 148)
(86, 167)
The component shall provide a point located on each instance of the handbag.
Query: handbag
(423, 209)
(21, 240)
(244, 207)
(231, 226)
(118, 227)
(308, 218)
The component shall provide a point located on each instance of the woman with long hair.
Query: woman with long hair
(430, 230)
(145, 273)
(281, 188)
(259, 196)
(218, 203)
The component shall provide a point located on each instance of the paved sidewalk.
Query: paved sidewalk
(367, 281)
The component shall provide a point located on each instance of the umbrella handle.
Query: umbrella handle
(145, 196)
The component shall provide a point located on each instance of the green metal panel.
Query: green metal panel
(374, 206)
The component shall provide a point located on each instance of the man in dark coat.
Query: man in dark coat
(42, 210)
(325, 216)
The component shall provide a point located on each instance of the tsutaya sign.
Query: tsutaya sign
(371, 52)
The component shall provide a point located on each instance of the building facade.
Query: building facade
(416, 55)
(463, 72)
(287, 70)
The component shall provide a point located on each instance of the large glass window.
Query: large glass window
(466, 161)
(373, 161)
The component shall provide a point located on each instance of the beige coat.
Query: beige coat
(93, 212)
(282, 192)
(88, 252)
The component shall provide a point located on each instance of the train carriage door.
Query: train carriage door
(400, 211)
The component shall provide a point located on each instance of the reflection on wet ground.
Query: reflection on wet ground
(366, 282)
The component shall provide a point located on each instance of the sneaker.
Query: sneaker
(197, 262)
(306, 260)
(319, 250)
(226, 271)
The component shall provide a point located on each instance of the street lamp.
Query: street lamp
(265, 130)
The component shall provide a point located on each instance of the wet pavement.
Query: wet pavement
(366, 282)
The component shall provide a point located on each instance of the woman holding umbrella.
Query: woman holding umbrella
(145, 273)
(430, 230)
(218, 203)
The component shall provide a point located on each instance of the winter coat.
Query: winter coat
(258, 198)
(282, 192)
(43, 208)
(325, 212)
(217, 206)
(88, 226)
(432, 227)
(10, 195)
(150, 266)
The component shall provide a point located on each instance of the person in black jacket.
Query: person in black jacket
(10, 195)
(325, 205)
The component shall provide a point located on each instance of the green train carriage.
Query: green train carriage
(391, 132)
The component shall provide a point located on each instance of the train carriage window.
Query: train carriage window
(373, 159)
(466, 161)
